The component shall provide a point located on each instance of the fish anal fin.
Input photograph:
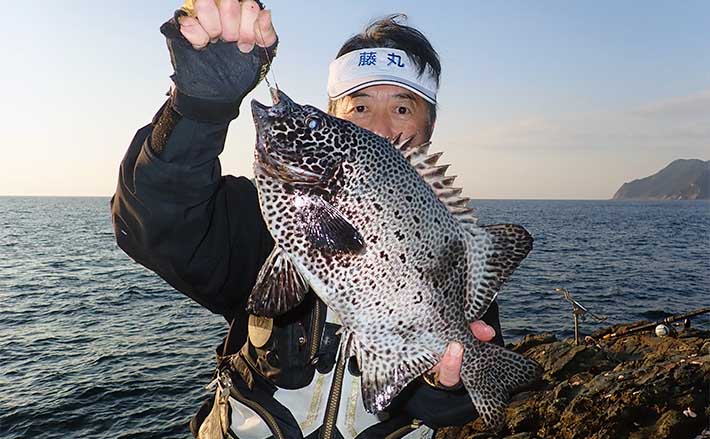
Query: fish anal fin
(502, 247)
(279, 286)
(383, 377)
(327, 229)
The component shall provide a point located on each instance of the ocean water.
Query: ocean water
(92, 345)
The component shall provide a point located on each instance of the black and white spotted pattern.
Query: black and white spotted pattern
(422, 274)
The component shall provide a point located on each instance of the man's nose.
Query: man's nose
(381, 125)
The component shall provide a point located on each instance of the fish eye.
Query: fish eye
(313, 122)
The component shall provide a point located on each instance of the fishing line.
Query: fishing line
(271, 67)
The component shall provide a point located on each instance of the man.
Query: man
(203, 233)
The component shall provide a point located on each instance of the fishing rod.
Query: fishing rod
(652, 325)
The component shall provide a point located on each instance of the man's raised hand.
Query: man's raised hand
(229, 20)
(215, 64)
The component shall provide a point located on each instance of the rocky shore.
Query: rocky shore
(636, 386)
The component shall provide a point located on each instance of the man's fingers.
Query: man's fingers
(482, 331)
(266, 35)
(247, 36)
(232, 20)
(208, 16)
(450, 365)
(193, 32)
(230, 13)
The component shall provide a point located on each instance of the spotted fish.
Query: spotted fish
(377, 230)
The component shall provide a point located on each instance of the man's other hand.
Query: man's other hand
(448, 369)
(233, 21)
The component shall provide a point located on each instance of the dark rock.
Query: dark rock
(673, 424)
(636, 386)
(532, 340)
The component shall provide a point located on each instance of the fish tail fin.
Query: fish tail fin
(490, 373)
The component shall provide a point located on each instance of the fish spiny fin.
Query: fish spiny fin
(490, 374)
(493, 253)
(435, 175)
(409, 150)
(279, 286)
(384, 376)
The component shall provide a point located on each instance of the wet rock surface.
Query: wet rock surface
(636, 386)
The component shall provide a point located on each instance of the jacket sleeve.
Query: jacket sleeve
(174, 213)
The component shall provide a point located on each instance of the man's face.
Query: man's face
(387, 110)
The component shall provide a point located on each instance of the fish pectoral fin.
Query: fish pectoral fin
(328, 230)
(502, 247)
(384, 377)
(279, 286)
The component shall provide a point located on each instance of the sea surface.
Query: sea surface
(92, 345)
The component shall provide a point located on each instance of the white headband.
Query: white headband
(365, 67)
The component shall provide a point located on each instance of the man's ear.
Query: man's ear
(432, 125)
(431, 116)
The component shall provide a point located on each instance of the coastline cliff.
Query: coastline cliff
(680, 180)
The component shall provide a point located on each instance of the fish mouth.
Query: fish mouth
(260, 114)
(265, 159)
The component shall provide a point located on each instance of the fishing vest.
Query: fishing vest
(289, 381)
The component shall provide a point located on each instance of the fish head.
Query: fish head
(298, 143)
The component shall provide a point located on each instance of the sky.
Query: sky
(539, 100)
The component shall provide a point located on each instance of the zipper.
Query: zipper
(261, 411)
(315, 331)
(331, 411)
(403, 431)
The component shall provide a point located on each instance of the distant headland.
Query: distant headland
(680, 180)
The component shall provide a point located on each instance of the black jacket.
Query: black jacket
(177, 215)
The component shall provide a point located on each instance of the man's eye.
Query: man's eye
(359, 108)
(402, 110)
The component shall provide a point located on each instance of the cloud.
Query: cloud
(694, 106)
(576, 155)
(680, 123)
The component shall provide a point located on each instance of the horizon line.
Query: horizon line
(472, 198)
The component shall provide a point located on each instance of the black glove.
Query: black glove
(211, 83)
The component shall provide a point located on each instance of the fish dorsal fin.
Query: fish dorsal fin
(435, 175)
